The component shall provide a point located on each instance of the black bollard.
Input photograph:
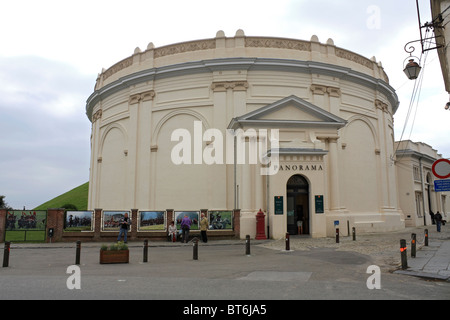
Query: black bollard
(6, 254)
(354, 233)
(288, 246)
(426, 237)
(403, 254)
(77, 255)
(195, 252)
(413, 245)
(247, 245)
(337, 235)
(145, 250)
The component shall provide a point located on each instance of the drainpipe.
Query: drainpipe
(423, 191)
(268, 205)
(235, 182)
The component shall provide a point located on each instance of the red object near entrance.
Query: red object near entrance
(260, 226)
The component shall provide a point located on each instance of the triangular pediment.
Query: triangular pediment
(288, 112)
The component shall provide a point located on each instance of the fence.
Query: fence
(58, 224)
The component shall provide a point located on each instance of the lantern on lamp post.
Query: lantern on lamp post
(412, 69)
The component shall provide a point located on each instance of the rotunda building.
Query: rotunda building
(301, 130)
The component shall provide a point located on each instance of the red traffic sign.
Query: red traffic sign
(441, 168)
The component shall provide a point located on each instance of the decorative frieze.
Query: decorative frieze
(185, 47)
(277, 43)
(117, 67)
(348, 55)
(250, 42)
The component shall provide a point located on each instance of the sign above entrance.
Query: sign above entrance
(441, 168)
(300, 167)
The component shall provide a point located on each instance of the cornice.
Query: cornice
(241, 41)
(267, 64)
(234, 124)
(297, 151)
(414, 154)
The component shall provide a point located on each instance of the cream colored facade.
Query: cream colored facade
(417, 196)
(442, 8)
(333, 110)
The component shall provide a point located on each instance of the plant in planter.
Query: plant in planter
(115, 253)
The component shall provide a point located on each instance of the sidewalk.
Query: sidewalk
(432, 262)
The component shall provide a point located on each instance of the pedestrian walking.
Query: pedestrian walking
(438, 219)
(204, 228)
(186, 227)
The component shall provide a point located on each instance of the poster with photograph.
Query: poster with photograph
(25, 220)
(111, 219)
(78, 221)
(193, 215)
(220, 220)
(152, 220)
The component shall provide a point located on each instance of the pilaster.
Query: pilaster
(142, 103)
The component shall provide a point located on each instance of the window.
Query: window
(416, 173)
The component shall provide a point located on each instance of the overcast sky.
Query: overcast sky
(51, 52)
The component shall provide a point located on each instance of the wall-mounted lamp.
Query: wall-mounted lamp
(427, 42)
(412, 69)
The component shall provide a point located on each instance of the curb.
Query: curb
(425, 275)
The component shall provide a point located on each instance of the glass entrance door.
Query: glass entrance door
(297, 191)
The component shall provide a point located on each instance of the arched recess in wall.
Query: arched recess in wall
(359, 162)
(188, 179)
(167, 117)
(113, 168)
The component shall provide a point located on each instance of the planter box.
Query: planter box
(114, 256)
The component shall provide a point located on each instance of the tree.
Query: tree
(69, 206)
(3, 204)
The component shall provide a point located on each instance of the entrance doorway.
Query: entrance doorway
(297, 191)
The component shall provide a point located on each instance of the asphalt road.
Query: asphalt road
(222, 272)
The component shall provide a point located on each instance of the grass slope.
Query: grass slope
(77, 196)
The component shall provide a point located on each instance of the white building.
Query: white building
(329, 112)
(440, 10)
(417, 195)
